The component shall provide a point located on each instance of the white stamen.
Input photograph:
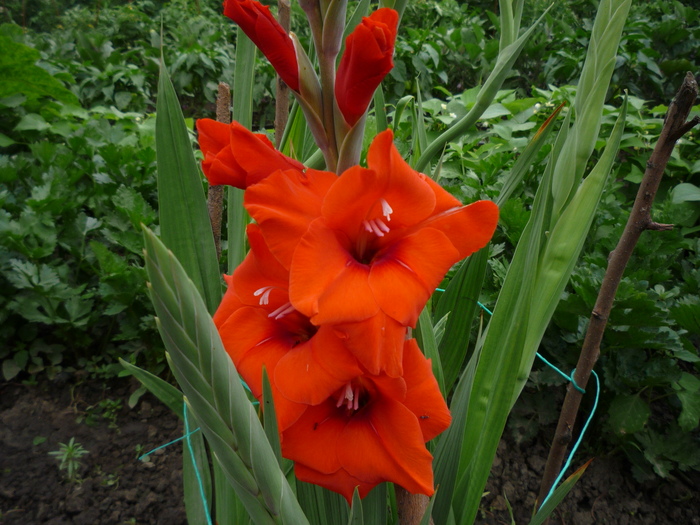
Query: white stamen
(346, 394)
(283, 310)
(376, 226)
(386, 209)
(265, 292)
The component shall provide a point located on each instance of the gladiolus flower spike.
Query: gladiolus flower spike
(339, 267)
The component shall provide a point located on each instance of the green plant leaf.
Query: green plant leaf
(628, 414)
(21, 75)
(558, 495)
(356, 516)
(184, 220)
(685, 192)
(214, 394)
(167, 393)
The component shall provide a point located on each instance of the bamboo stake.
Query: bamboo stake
(215, 194)
(410, 507)
(675, 126)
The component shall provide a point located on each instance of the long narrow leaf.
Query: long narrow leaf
(558, 495)
(356, 517)
(218, 401)
(184, 220)
(167, 393)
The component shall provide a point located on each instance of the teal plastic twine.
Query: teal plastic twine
(194, 464)
(580, 437)
(570, 378)
(184, 436)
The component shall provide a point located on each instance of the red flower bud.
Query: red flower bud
(366, 61)
(267, 34)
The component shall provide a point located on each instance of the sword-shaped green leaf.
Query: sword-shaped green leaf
(184, 220)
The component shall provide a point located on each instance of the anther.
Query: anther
(265, 293)
(283, 310)
(386, 209)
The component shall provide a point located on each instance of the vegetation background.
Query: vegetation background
(77, 178)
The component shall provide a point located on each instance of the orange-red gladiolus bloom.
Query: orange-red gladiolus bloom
(235, 156)
(370, 431)
(268, 35)
(384, 240)
(367, 59)
(284, 204)
(259, 328)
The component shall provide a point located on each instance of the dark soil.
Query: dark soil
(116, 488)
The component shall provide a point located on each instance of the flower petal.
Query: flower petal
(313, 370)
(376, 342)
(361, 194)
(423, 396)
(260, 280)
(365, 62)
(404, 274)
(385, 443)
(257, 156)
(284, 204)
(313, 439)
(254, 341)
(469, 228)
(326, 283)
(339, 481)
(229, 303)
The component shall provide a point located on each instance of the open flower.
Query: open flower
(383, 242)
(268, 35)
(235, 156)
(260, 328)
(365, 62)
(371, 430)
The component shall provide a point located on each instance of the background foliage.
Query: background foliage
(77, 178)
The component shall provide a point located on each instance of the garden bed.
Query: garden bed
(116, 488)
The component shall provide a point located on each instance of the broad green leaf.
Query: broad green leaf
(244, 77)
(685, 192)
(379, 110)
(590, 96)
(628, 414)
(688, 391)
(6, 141)
(321, 505)
(459, 301)
(184, 220)
(374, 506)
(428, 511)
(229, 509)
(20, 74)
(32, 122)
(449, 446)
